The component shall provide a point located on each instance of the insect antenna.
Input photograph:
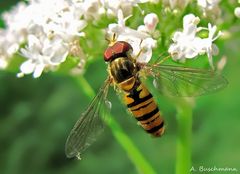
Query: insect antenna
(163, 58)
(111, 39)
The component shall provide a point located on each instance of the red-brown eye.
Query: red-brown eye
(119, 49)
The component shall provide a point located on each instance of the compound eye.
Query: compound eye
(125, 47)
(108, 54)
(119, 49)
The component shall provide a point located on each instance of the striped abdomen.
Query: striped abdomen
(142, 105)
(136, 96)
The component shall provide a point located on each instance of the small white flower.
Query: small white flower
(123, 31)
(206, 45)
(208, 4)
(92, 9)
(9, 44)
(173, 4)
(237, 12)
(146, 46)
(184, 45)
(190, 22)
(150, 23)
(210, 7)
(188, 45)
(66, 26)
(141, 42)
(3, 63)
(112, 6)
(43, 53)
(13, 35)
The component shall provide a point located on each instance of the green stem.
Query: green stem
(184, 121)
(134, 154)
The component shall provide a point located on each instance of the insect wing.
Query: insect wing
(89, 126)
(185, 82)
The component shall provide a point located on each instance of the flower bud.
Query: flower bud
(237, 12)
(151, 21)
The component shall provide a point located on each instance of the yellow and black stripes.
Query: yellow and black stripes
(138, 99)
(142, 105)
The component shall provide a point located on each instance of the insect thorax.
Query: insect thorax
(123, 71)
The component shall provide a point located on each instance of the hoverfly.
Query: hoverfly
(125, 73)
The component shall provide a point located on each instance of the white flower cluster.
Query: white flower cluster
(141, 39)
(210, 7)
(13, 35)
(50, 29)
(187, 45)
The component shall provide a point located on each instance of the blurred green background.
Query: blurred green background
(36, 116)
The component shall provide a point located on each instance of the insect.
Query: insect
(125, 73)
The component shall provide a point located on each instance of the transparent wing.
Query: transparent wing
(184, 81)
(89, 126)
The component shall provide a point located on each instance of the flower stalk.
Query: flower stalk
(184, 135)
(134, 154)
